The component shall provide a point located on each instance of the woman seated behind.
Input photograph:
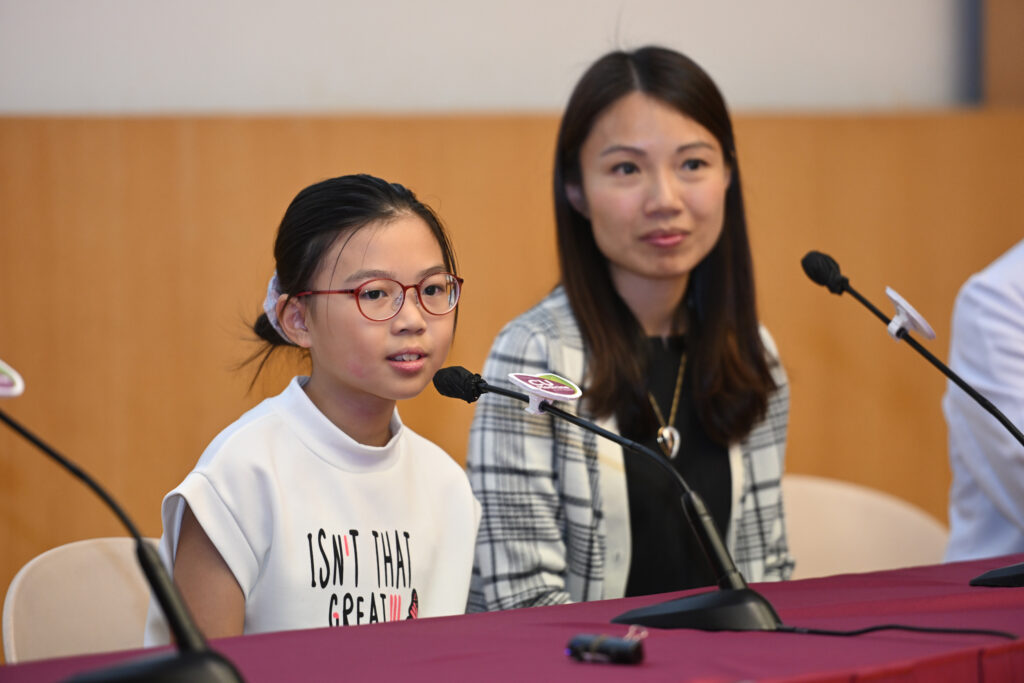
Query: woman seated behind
(655, 317)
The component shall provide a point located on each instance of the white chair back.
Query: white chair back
(837, 527)
(82, 597)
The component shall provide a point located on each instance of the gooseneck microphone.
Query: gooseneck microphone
(194, 660)
(823, 270)
(735, 607)
(458, 382)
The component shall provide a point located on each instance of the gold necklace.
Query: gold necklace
(668, 435)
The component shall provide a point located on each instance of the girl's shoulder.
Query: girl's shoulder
(426, 451)
(434, 464)
(249, 432)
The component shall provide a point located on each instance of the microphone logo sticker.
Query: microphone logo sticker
(11, 384)
(546, 387)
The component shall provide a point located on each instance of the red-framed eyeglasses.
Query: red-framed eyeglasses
(382, 298)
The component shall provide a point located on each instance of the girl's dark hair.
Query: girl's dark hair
(320, 215)
(728, 361)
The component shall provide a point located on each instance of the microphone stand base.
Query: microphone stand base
(203, 667)
(1004, 577)
(740, 609)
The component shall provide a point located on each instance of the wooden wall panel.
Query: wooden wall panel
(133, 252)
(917, 203)
(1003, 53)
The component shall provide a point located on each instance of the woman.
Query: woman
(655, 317)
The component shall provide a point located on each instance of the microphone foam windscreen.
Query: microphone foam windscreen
(457, 382)
(823, 270)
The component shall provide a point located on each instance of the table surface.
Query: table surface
(529, 644)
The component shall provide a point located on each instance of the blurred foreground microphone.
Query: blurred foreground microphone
(823, 270)
(194, 660)
(735, 607)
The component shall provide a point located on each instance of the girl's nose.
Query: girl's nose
(410, 314)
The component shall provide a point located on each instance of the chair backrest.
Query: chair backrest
(837, 527)
(82, 597)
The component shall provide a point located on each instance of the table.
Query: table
(529, 644)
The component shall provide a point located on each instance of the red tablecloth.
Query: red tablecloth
(529, 644)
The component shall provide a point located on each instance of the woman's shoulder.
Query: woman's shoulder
(425, 448)
(768, 341)
(551, 319)
(775, 366)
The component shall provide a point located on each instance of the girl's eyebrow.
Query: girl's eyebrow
(640, 152)
(372, 274)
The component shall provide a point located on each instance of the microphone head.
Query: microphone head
(823, 270)
(458, 382)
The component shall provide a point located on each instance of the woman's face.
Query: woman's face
(653, 187)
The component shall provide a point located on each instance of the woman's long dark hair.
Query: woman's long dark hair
(725, 354)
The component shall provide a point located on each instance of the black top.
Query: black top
(665, 553)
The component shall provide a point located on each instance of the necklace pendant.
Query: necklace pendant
(668, 439)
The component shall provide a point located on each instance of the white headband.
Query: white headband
(270, 306)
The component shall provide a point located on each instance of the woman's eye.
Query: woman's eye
(694, 164)
(373, 294)
(625, 168)
(431, 290)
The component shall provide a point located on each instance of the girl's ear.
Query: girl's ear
(574, 193)
(291, 314)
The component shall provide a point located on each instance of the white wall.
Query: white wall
(179, 56)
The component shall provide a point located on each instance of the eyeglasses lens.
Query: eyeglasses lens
(382, 299)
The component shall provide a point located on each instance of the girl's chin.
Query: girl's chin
(407, 390)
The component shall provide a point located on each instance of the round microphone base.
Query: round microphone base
(740, 609)
(1007, 577)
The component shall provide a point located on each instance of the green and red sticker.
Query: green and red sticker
(546, 387)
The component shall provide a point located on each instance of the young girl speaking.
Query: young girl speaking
(318, 507)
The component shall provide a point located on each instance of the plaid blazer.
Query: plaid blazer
(555, 525)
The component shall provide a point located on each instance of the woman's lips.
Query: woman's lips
(665, 238)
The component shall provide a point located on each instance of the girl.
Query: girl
(318, 507)
(655, 316)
